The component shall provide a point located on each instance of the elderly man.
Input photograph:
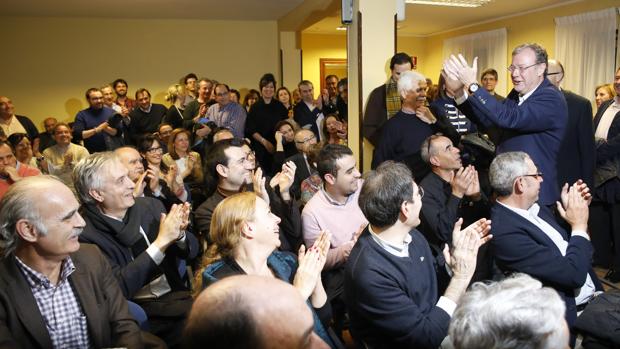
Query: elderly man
(92, 124)
(226, 113)
(528, 239)
(11, 170)
(142, 243)
(64, 155)
(11, 123)
(307, 113)
(403, 134)
(390, 279)
(514, 313)
(54, 293)
(46, 138)
(303, 140)
(384, 101)
(240, 312)
(531, 119)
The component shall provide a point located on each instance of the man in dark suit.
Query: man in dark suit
(531, 119)
(605, 222)
(577, 155)
(527, 238)
(307, 113)
(304, 139)
(142, 243)
(55, 293)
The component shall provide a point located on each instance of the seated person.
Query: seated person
(285, 142)
(54, 293)
(187, 163)
(334, 130)
(284, 324)
(514, 313)
(23, 151)
(148, 183)
(527, 238)
(163, 135)
(230, 169)
(245, 238)
(11, 170)
(303, 140)
(62, 157)
(314, 183)
(46, 138)
(142, 243)
(390, 279)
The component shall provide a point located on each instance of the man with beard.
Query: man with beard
(120, 87)
(92, 124)
(55, 293)
(142, 243)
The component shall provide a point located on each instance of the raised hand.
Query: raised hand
(258, 185)
(574, 207)
(311, 264)
(465, 245)
(458, 68)
(461, 181)
(425, 114)
(138, 190)
(473, 191)
(170, 227)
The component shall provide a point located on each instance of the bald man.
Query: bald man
(239, 312)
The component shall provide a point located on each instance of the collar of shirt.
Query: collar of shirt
(310, 106)
(36, 279)
(527, 95)
(529, 214)
(332, 201)
(616, 103)
(398, 250)
(147, 110)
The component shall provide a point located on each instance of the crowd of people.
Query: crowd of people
(228, 223)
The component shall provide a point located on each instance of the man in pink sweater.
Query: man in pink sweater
(12, 170)
(334, 208)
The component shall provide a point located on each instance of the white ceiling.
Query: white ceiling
(423, 20)
(152, 9)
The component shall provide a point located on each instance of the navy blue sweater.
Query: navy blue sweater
(392, 300)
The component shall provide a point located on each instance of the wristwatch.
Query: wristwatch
(473, 87)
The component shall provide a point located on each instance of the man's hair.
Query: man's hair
(329, 155)
(8, 145)
(215, 156)
(539, 51)
(515, 313)
(330, 76)
(19, 202)
(266, 79)
(89, 174)
(227, 322)
(343, 82)
(59, 125)
(236, 92)
(383, 192)
(189, 76)
(141, 91)
(427, 150)
(91, 90)
(400, 58)
(118, 81)
(489, 71)
(207, 80)
(222, 85)
(409, 81)
(505, 169)
(305, 83)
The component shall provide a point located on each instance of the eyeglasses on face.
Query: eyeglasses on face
(306, 139)
(513, 68)
(535, 175)
(155, 150)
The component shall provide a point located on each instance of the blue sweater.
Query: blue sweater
(392, 300)
(90, 118)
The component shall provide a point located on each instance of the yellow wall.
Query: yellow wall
(316, 46)
(48, 63)
(531, 27)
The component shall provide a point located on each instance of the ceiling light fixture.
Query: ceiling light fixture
(455, 3)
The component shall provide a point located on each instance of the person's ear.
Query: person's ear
(96, 194)
(26, 230)
(247, 230)
(329, 178)
(404, 211)
(434, 161)
(221, 170)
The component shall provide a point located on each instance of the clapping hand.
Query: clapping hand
(311, 263)
(258, 185)
(465, 244)
(574, 207)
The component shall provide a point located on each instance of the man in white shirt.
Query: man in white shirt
(528, 239)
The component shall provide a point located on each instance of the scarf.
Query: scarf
(392, 98)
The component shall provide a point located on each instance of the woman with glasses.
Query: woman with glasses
(152, 152)
(245, 241)
(187, 163)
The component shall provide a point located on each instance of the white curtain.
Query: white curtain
(490, 47)
(585, 44)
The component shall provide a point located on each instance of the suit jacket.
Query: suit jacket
(611, 148)
(535, 127)
(375, 115)
(135, 272)
(109, 321)
(577, 156)
(306, 118)
(520, 246)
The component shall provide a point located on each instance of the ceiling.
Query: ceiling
(423, 20)
(152, 9)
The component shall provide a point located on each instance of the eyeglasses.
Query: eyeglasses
(535, 175)
(556, 73)
(155, 150)
(421, 191)
(250, 156)
(306, 139)
(512, 68)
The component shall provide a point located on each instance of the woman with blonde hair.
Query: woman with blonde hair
(603, 93)
(174, 115)
(245, 237)
(187, 162)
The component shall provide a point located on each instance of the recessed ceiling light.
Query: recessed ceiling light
(455, 3)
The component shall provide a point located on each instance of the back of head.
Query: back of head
(515, 313)
(383, 192)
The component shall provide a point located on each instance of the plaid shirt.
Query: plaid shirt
(392, 98)
(59, 307)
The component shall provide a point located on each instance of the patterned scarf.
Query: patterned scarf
(392, 98)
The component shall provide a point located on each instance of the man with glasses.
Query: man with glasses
(229, 170)
(226, 113)
(527, 238)
(531, 119)
(92, 124)
(390, 281)
(303, 140)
